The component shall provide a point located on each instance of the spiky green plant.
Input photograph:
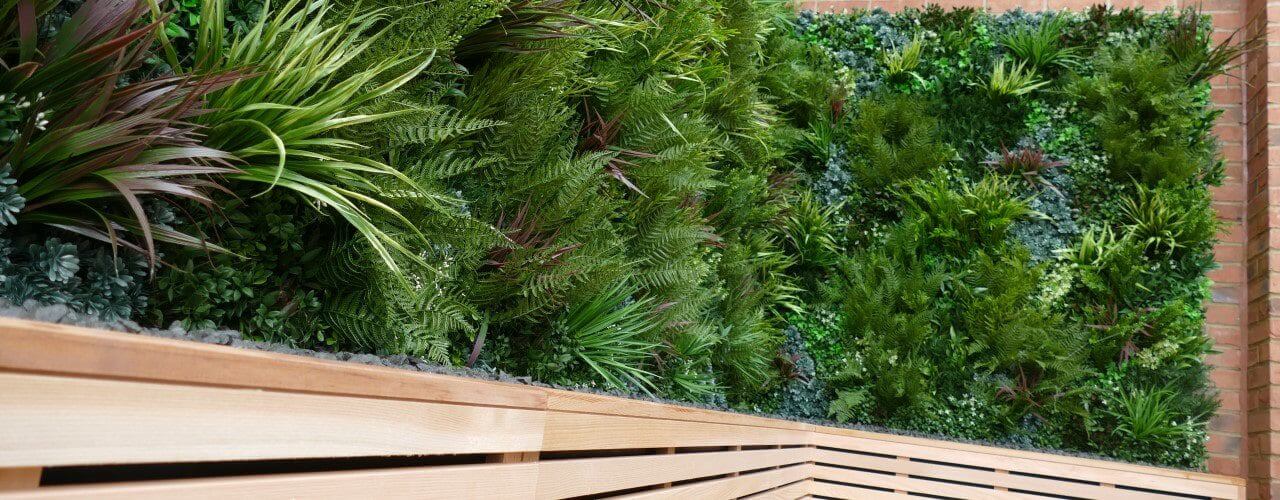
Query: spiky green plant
(608, 333)
(808, 232)
(283, 120)
(903, 61)
(1189, 44)
(89, 153)
(1153, 220)
(1012, 80)
(1041, 46)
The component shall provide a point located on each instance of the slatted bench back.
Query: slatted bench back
(93, 414)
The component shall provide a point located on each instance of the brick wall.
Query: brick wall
(1230, 452)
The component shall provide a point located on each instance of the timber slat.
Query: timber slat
(590, 476)
(506, 481)
(53, 421)
(76, 396)
(729, 487)
(51, 348)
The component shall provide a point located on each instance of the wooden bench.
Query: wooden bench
(94, 414)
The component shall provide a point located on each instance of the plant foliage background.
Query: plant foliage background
(991, 227)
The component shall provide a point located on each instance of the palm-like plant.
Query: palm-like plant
(903, 60)
(1013, 80)
(1041, 46)
(1188, 45)
(282, 120)
(88, 153)
(607, 333)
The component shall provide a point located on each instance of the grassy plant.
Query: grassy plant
(1146, 415)
(519, 28)
(88, 154)
(903, 61)
(809, 233)
(608, 334)
(1154, 220)
(1012, 80)
(1188, 44)
(1041, 46)
(282, 121)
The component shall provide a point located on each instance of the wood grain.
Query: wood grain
(731, 487)
(789, 492)
(507, 481)
(580, 431)
(75, 396)
(968, 475)
(50, 348)
(589, 476)
(1101, 471)
(52, 420)
(913, 485)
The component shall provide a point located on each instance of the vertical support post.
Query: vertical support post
(902, 474)
(1005, 472)
(734, 448)
(20, 478)
(666, 451)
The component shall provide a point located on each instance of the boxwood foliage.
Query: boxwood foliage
(990, 227)
(1029, 225)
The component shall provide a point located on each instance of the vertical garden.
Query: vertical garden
(989, 227)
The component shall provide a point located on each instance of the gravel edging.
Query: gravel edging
(61, 314)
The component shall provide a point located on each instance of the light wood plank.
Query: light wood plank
(50, 420)
(507, 481)
(729, 487)
(589, 476)
(34, 346)
(1185, 482)
(789, 492)
(581, 431)
(913, 485)
(831, 490)
(836, 437)
(1006, 480)
(581, 402)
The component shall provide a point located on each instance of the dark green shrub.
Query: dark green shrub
(894, 140)
(1147, 117)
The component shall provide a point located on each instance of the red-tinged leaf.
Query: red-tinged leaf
(166, 154)
(108, 236)
(617, 173)
(159, 170)
(144, 224)
(26, 30)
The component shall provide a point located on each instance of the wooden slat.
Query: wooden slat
(589, 476)
(50, 420)
(912, 485)
(581, 431)
(1026, 483)
(730, 487)
(508, 481)
(832, 490)
(1185, 482)
(45, 347)
(580, 402)
(789, 492)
